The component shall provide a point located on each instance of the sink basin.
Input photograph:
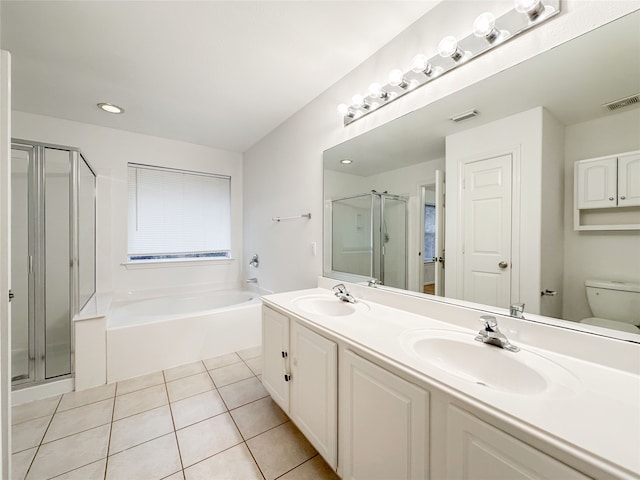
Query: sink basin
(328, 305)
(458, 354)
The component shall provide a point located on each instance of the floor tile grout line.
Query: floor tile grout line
(297, 466)
(43, 435)
(113, 414)
(173, 422)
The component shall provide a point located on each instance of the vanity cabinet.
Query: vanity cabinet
(384, 426)
(476, 449)
(301, 374)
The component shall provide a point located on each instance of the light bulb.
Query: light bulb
(532, 8)
(376, 90)
(420, 64)
(485, 26)
(448, 47)
(344, 111)
(396, 78)
(358, 101)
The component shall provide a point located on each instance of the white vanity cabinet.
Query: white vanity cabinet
(301, 374)
(275, 356)
(476, 450)
(384, 428)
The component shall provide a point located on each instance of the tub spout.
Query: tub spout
(252, 280)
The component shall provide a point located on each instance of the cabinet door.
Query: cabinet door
(275, 352)
(629, 180)
(477, 451)
(314, 390)
(596, 183)
(383, 424)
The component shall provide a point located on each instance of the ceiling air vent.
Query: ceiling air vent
(623, 102)
(464, 116)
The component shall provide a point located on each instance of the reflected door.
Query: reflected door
(487, 231)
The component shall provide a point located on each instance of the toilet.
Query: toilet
(614, 305)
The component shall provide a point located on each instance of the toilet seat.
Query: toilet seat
(614, 324)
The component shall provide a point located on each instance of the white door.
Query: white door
(5, 262)
(275, 356)
(314, 390)
(439, 267)
(383, 424)
(629, 180)
(487, 231)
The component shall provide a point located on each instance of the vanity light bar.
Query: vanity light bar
(488, 33)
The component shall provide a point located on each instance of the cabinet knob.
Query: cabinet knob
(611, 198)
(622, 197)
(503, 264)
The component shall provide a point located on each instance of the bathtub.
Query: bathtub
(145, 335)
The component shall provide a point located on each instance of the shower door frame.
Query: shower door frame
(371, 241)
(37, 253)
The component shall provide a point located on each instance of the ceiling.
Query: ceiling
(572, 81)
(217, 73)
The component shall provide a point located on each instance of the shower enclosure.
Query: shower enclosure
(369, 237)
(52, 256)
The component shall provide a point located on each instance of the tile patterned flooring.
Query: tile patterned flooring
(205, 420)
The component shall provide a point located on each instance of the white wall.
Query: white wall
(609, 255)
(108, 151)
(283, 172)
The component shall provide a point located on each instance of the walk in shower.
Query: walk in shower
(53, 224)
(369, 237)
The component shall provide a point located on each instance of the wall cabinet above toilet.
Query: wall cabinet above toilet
(607, 193)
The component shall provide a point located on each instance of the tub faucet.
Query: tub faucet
(252, 280)
(492, 335)
(516, 310)
(343, 294)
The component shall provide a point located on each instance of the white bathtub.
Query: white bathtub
(150, 334)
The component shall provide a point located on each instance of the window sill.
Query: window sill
(183, 262)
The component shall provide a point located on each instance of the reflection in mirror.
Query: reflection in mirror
(86, 232)
(560, 93)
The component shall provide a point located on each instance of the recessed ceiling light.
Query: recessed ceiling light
(111, 108)
(346, 161)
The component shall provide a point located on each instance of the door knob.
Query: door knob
(503, 264)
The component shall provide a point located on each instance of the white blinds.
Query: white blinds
(176, 212)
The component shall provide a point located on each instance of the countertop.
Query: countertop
(596, 417)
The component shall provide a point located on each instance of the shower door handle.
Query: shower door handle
(30, 264)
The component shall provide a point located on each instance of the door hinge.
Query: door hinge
(284, 354)
(287, 377)
(11, 295)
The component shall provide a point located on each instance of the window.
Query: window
(429, 233)
(178, 214)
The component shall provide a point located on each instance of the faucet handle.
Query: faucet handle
(340, 288)
(490, 322)
(516, 310)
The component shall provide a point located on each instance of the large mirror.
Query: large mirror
(384, 191)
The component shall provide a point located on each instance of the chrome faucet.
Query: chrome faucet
(516, 310)
(374, 282)
(492, 335)
(343, 294)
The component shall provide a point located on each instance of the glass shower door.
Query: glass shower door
(393, 241)
(351, 232)
(22, 367)
(58, 262)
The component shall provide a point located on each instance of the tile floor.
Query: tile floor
(205, 420)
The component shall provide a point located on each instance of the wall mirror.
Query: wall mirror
(384, 209)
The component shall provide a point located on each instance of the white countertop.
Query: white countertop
(598, 420)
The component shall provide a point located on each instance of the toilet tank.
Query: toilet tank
(614, 300)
